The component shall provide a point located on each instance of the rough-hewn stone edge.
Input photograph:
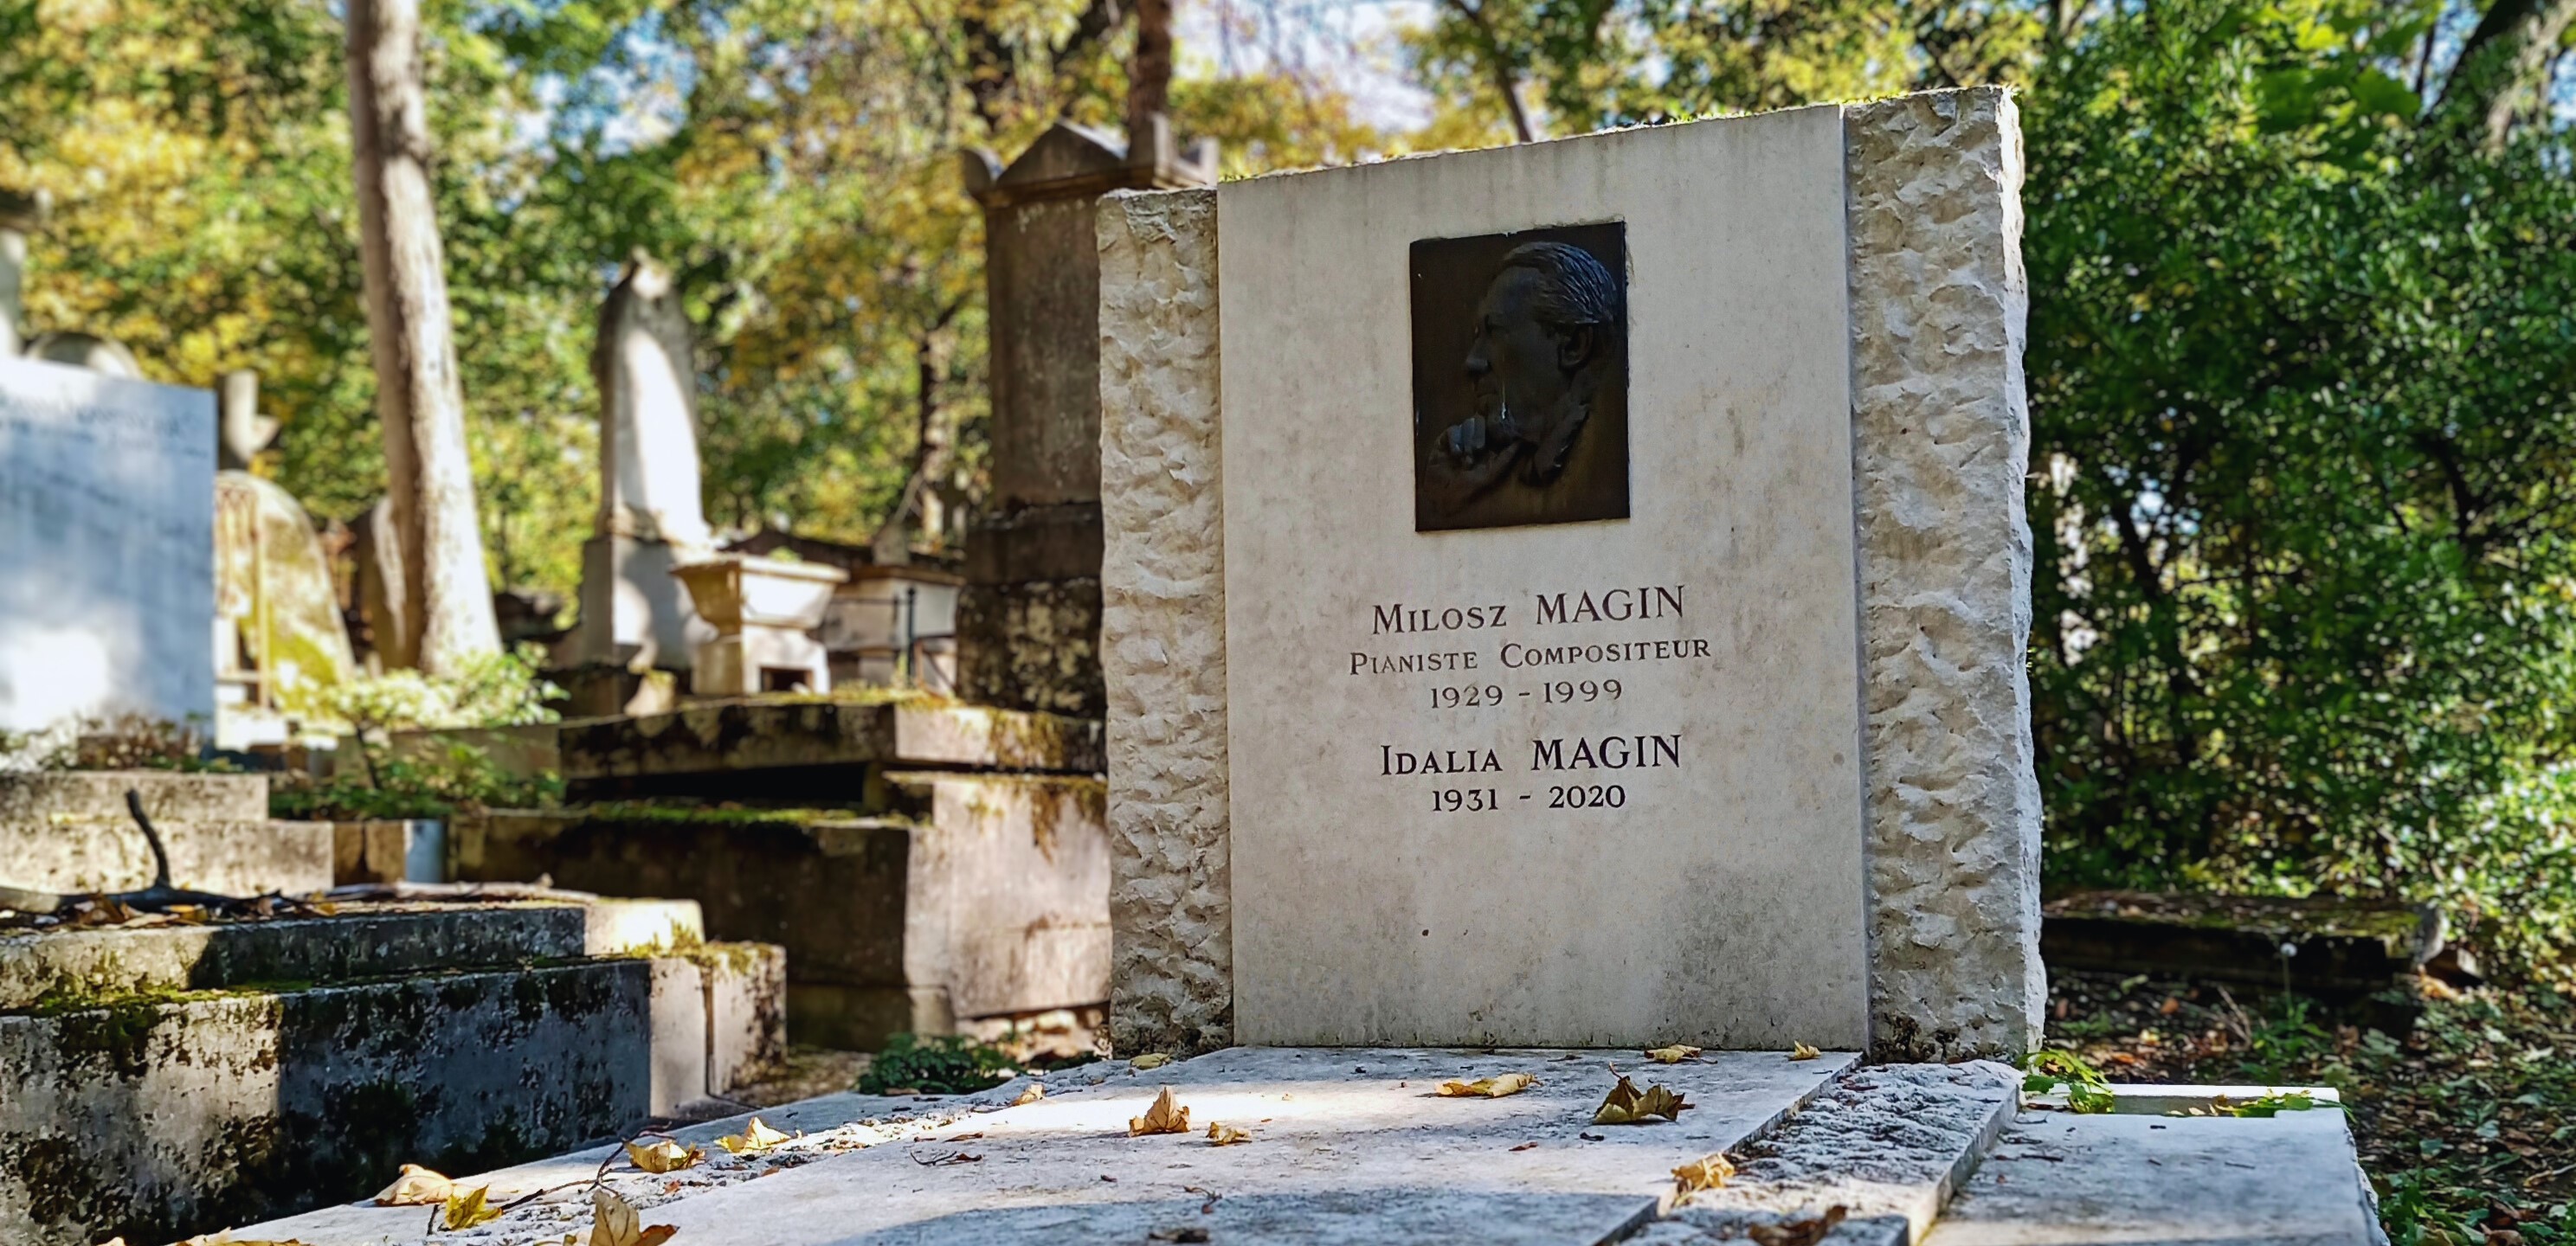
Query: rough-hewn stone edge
(1171, 980)
(1941, 441)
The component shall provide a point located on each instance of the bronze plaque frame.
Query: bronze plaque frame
(1543, 312)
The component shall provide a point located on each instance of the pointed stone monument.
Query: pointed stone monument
(650, 519)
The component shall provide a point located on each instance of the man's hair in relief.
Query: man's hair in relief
(1574, 291)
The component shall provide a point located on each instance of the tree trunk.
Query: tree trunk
(2499, 62)
(447, 599)
(1149, 79)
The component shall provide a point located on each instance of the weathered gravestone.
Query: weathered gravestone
(1575, 594)
(107, 518)
(1028, 620)
(650, 515)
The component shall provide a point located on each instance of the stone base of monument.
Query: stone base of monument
(164, 1080)
(69, 831)
(1356, 1145)
(965, 896)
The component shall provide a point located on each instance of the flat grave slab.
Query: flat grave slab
(2135, 1176)
(1348, 1145)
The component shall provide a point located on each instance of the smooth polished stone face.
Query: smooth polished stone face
(1579, 781)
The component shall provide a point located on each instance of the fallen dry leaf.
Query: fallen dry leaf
(466, 1209)
(416, 1187)
(663, 1155)
(1222, 1134)
(1705, 1173)
(1167, 1116)
(1035, 1092)
(615, 1222)
(1150, 1060)
(1674, 1054)
(1488, 1087)
(755, 1138)
(1805, 1232)
(1626, 1105)
(1801, 1051)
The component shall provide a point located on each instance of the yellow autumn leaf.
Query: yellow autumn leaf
(1705, 1173)
(754, 1139)
(1801, 1051)
(466, 1209)
(1627, 1105)
(1222, 1134)
(1488, 1087)
(1035, 1092)
(663, 1155)
(615, 1222)
(416, 1187)
(1674, 1054)
(1167, 1116)
(1150, 1060)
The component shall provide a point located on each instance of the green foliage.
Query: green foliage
(939, 1064)
(2300, 386)
(456, 777)
(2044, 1072)
(495, 690)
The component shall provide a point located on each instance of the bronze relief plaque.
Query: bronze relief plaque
(1520, 378)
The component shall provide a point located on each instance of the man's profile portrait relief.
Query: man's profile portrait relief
(1520, 378)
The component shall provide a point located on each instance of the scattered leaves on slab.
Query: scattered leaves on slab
(1487, 1087)
(1627, 1105)
(1167, 1116)
(615, 1222)
(1221, 1134)
(1674, 1054)
(1035, 1092)
(755, 1138)
(663, 1155)
(1150, 1060)
(1805, 1232)
(1705, 1173)
(416, 1187)
(1801, 1051)
(467, 1208)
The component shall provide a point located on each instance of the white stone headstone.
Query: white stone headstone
(1575, 594)
(107, 509)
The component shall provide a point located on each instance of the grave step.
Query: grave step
(247, 857)
(155, 1117)
(99, 795)
(806, 751)
(990, 900)
(371, 944)
(197, 1090)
